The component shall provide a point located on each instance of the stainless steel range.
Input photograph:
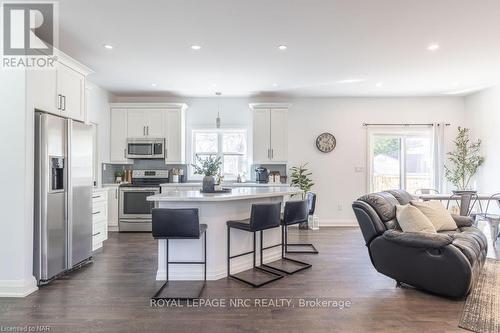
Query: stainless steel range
(135, 210)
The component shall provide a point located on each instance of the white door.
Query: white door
(71, 87)
(118, 140)
(173, 134)
(279, 135)
(137, 123)
(42, 87)
(155, 124)
(261, 136)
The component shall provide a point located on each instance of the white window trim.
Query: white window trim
(406, 131)
(244, 130)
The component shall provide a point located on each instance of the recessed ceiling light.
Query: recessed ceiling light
(275, 84)
(351, 81)
(153, 84)
(196, 47)
(433, 47)
(282, 47)
(379, 84)
(108, 46)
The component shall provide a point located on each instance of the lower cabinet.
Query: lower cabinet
(112, 206)
(99, 217)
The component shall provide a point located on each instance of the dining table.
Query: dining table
(466, 200)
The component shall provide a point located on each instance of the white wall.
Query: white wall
(483, 118)
(337, 185)
(16, 197)
(97, 105)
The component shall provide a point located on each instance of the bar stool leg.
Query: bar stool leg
(312, 251)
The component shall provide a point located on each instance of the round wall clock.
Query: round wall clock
(325, 142)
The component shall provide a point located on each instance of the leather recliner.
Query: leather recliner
(447, 263)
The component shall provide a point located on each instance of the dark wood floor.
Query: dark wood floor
(112, 295)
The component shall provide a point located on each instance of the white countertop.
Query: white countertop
(239, 193)
(247, 184)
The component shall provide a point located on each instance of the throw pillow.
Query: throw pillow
(437, 214)
(411, 219)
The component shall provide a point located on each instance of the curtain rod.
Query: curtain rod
(430, 124)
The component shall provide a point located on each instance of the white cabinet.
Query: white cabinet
(146, 123)
(118, 139)
(270, 133)
(60, 90)
(174, 136)
(112, 206)
(70, 92)
(99, 218)
(148, 120)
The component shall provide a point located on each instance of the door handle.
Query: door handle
(96, 234)
(59, 101)
(144, 130)
(96, 212)
(124, 152)
(147, 130)
(63, 102)
(272, 153)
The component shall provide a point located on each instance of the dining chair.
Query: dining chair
(492, 219)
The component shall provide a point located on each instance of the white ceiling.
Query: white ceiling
(328, 41)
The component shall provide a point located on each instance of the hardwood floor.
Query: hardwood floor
(112, 295)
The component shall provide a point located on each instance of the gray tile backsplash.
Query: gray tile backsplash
(109, 169)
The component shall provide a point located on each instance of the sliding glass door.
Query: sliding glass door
(400, 159)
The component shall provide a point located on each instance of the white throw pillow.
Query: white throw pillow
(437, 214)
(411, 219)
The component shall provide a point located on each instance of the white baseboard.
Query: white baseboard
(195, 272)
(337, 223)
(113, 228)
(17, 288)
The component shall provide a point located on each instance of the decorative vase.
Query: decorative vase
(208, 184)
(464, 192)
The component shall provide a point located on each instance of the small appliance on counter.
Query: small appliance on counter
(274, 177)
(261, 175)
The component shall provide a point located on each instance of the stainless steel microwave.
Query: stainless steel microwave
(146, 148)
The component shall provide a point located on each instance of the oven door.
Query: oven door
(133, 203)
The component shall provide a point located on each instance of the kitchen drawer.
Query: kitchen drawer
(99, 234)
(100, 212)
(99, 196)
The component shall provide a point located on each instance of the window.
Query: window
(400, 159)
(229, 144)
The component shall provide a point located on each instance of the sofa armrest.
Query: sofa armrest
(417, 239)
(462, 221)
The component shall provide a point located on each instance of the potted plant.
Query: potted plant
(300, 178)
(209, 167)
(464, 161)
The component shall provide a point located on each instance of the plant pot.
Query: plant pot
(464, 192)
(208, 184)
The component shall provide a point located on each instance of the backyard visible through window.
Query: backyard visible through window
(401, 161)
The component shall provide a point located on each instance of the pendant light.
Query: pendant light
(217, 120)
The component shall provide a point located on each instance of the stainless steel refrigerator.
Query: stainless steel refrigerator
(63, 195)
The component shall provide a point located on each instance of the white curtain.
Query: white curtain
(439, 155)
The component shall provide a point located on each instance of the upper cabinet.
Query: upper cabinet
(60, 90)
(148, 120)
(270, 133)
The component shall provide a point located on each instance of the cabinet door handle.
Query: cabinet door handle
(144, 130)
(272, 153)
(96, 234)
(166, 152)
(96, 212)
(59, 101)
(147, 130)
(124, 152)
(63, 102)
(116, 194)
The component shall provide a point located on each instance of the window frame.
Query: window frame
(220, 132)
(402, 133)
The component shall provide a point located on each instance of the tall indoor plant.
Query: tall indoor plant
(301, 179)
(464, 161)
(209, 167)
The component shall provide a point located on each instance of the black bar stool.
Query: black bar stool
(262, 217)
(311, 203)
(295, 212)
(179, 224)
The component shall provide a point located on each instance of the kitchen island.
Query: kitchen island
(214, 210)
